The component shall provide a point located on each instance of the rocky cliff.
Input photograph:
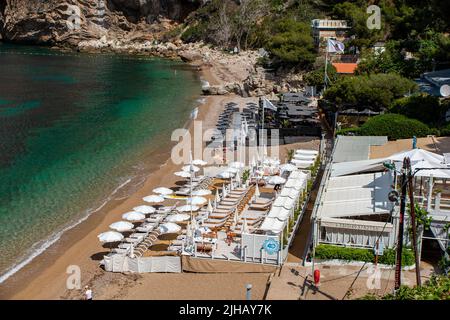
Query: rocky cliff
(70, 21)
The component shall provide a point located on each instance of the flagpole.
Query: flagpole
(326, 66)
(263, 120)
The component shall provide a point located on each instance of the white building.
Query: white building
(352, 206)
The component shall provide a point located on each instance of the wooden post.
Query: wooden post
(412, 212)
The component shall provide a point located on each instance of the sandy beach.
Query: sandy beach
(45, 277)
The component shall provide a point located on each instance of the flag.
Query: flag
(335, 46)
(269, 105)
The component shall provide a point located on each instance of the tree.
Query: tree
(246, 18)
(375, 91)
(224, 31)
(292, 42)
(317, 77)
(356, 15)
(423, 107)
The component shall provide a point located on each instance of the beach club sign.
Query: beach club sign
(271, 246)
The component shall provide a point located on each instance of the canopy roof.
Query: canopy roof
(356, 195)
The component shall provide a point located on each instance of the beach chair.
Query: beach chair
(215, 226)
(218, 215)
(260, 206)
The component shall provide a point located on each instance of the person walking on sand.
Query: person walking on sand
(88, 293)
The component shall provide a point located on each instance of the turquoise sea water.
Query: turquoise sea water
(73, 129)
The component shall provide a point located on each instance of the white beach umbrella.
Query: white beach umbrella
(232, 170)
(202, 192)
(121, 226)
(238, 179)
(169, 227)
(188, 208)
(245, 226)
(225, 175)
(199, 162)
(271, 162)
(257, 193)
(224, 191)
(288, 167)
(237, 165)
(154, 199)
(236, 217)
(217, 198)
(189, 231)
(190, 168)
(197, 201)
(182, 174)
(210, 208)
(179, 217)
(163, 191)
(133, 216)
(204, 230)
(276, 180)
(110, 236)
(145, 209)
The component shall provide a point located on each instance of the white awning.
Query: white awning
(364, 194)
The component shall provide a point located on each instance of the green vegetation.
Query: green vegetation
(316, 77)
(328, 252)
(376, 91)
(290, 155)
(423, 107)
(245, 175)
(414, 33)
(437, 288)
(291, 42)
(394, 126)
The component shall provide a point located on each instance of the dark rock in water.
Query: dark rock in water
(70, 21)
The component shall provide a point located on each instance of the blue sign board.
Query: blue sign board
(271, 246)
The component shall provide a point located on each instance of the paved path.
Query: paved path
(295, 282)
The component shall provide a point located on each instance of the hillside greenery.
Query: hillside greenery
(437, 288)
(415, 34)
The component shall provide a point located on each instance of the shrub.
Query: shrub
(437, 288)
(376, 91)
(291, 42)
(328, 252)
(194, 33)
(422, 107)
(394, 126)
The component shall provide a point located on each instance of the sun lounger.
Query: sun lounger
(120, 251)
(216, 215)
(252, 215)
(216, 221)
(256, 206)
(133, 240)
(262, 201)
(146, 228)
(304, 151)
(124, 245)
(214, 225)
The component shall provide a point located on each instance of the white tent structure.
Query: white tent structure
(418, 155)
(285, 204)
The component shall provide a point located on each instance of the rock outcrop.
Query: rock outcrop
(137, 26)
(71, 21)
